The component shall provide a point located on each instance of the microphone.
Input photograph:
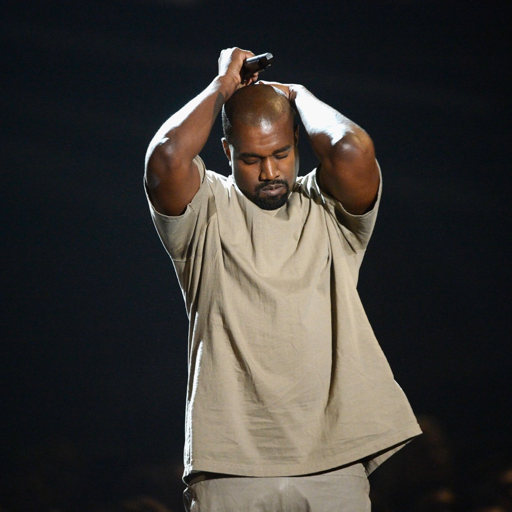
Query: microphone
(257, 63)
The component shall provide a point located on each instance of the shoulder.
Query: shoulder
(357, 229)
(308, 186)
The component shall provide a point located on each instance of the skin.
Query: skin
(171, 177)
(347, 168)
(264, 160)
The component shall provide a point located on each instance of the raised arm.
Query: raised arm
(172, 179)
(348, 170)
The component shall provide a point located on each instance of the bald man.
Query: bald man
(291, 402)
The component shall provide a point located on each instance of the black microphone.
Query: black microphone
(257, 63)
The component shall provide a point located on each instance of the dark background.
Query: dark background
(94, 328)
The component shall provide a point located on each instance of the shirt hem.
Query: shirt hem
(270, 469)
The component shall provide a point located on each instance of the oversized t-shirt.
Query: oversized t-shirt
(286, 376)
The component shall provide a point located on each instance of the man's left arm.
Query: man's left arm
(348, 170)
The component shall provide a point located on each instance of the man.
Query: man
(290, 401)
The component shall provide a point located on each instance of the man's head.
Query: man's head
(260, 141)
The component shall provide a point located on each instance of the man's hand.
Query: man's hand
(348, 170)
(172, 177)
(231, 62)
(289, 90)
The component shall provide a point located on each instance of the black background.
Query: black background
(94, 328)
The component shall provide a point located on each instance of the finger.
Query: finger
(253, 78)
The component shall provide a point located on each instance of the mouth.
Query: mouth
(272, 190)
(271, 195)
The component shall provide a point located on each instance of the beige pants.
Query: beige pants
(341, 490)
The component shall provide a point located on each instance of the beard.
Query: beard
(266, 202)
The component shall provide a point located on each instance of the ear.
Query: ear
(227, 151)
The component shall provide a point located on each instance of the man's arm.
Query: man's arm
(172, 179)
(348, 170)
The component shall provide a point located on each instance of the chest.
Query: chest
(288, 245)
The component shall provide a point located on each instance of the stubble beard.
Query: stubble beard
(271, 202)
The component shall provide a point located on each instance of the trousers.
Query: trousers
(341, 490)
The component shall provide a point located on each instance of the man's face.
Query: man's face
(264, 160)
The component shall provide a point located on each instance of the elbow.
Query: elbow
(161, 152)
(353, 163)
(162, 160)
(355, 147)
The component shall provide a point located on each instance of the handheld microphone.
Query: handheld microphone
(257, 63)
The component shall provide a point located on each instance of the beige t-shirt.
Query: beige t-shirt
(286, 376)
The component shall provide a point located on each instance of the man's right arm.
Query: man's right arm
(171, 177)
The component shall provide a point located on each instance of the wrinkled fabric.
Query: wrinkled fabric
(343, 490)
(286, 376)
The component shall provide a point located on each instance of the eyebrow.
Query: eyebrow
(255, 155)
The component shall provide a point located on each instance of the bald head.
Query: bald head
(252, 106)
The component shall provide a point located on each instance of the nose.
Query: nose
(268, 170)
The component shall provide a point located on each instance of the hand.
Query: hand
(231, 62)
(290, 90)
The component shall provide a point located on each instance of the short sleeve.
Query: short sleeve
(357, 229)
(180, 234)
